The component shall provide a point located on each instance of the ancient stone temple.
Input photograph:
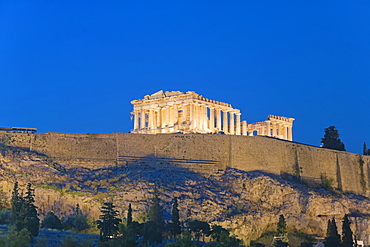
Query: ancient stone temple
(178, 112)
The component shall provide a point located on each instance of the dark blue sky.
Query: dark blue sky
(74, 66)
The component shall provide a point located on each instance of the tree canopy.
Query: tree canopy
(331, 139)
(108, 221)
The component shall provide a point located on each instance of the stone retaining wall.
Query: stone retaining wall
(201, 153)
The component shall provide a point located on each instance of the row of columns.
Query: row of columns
(280, 130)
(201, 118)
(198, 117)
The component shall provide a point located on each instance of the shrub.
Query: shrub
(51, 221)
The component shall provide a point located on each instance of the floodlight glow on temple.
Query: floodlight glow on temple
(179, 112)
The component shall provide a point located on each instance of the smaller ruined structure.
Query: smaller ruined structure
(179, 112)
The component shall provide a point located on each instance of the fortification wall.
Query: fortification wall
(201, 153)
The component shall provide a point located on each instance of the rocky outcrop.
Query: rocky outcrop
(247, 202)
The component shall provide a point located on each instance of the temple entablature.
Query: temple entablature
(176, 111)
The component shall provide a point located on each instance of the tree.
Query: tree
(155, 226)
(129, 214)
(365, 150)
(176, 225)
(216, 232)
(281, 226)
(51, 221)
(16, 238)
(347, 235)
(23, 211)
(108, 223)
(17, 207)
(199, 228)
(32, 221)
(332, 237)
(78, 210)
(331, 139)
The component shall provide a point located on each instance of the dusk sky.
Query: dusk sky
(74, 66)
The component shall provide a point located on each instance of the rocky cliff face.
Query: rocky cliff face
(247, 202)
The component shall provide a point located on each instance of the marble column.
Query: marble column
(232, 123)
(142, 119)
(274, 130)
(268, 128)
(212, 119)
(218, 118)
(290, 133)
(200, 117)
(285, 132)
(225, 128)
(175, 115)
(238, 123)
(159, 124)
(136, 120)
(167, 116)
(151, 119)
(192, 115)
(205, 117)
(244, 128)
(184, 114)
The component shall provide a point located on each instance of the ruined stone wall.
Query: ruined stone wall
(201, 153)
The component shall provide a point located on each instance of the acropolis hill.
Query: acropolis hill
(191, 114)
(223, 170)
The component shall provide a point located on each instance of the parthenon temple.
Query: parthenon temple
(179, 112)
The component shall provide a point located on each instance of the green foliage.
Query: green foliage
(74, 241)
(199, 228)
(227, 240)
(129, 214)
(298, 238)
(216, 232)
(154, 228)
(266, 239)
(79, 223)
(332, 237)
(23, 211)
(281, 226)
(16, 238)
(5, 217)
(51, 221)
(186, 240)
(327, 182)
(176, 225)
(42, 242)
(108, 222)
(331, 139)
(3, 201)
(281, 243)
(347, 235)
(365, 150)
(130, 234)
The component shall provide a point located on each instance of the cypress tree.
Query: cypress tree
(281, 226)
(347, 235)
(129, 214)
(78, 210)
(332, 237)
(331, 139)
(155, 225)
(31, 219)
(365, 150)
(108, 221)
(176, 225)
(18, 210)
(16, 203)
